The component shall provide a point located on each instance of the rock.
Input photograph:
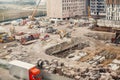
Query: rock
(113, 74)
(5, 47)
(77, 77)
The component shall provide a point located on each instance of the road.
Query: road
(4, 75)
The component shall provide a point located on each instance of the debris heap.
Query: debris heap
(91, 73)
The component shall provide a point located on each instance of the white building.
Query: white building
(112, 14)
(113, 10)
(62, 9)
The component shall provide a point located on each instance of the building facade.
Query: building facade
(63, 9)
(97, 7)
(113, 10)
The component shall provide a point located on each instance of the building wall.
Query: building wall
(97, 7)
(65, 8)
(54, 8)
(113, 10)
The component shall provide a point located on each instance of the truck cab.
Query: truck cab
(24, 71)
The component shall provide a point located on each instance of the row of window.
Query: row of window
(115, 18)
(73, 8)
(72, 14)
(73, 4)
(72, 0)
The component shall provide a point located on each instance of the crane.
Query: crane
(89, 15)
(35, 11)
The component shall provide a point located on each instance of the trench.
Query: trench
(63, 53)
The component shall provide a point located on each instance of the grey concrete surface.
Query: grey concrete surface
(4, 75)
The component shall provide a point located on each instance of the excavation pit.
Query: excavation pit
(63, 49)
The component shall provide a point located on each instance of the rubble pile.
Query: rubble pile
(13, 51)
(101, 57)
(91, 73)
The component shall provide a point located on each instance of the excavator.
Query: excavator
(63, 33)
(116, 39)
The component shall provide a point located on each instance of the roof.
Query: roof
(21, 64)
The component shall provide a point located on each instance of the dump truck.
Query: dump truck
(26, 71)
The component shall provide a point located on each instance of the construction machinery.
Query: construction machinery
(63, 33)
(26, 71)
(29, 38)
(116, 39)
(4, 37)
(33, 14)
(35, 11)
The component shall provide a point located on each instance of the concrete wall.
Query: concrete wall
(65, 8)
(54, 8)
(108, 23)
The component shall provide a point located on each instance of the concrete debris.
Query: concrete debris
(115, 65)
(76, 57)
(91, 73)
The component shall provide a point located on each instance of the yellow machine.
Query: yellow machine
(63, 33)
(5, 38)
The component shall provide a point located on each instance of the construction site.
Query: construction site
(41, 48)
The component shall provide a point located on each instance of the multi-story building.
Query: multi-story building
(97, 7)
(112, 14)
(63, 9)
(113, 10)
